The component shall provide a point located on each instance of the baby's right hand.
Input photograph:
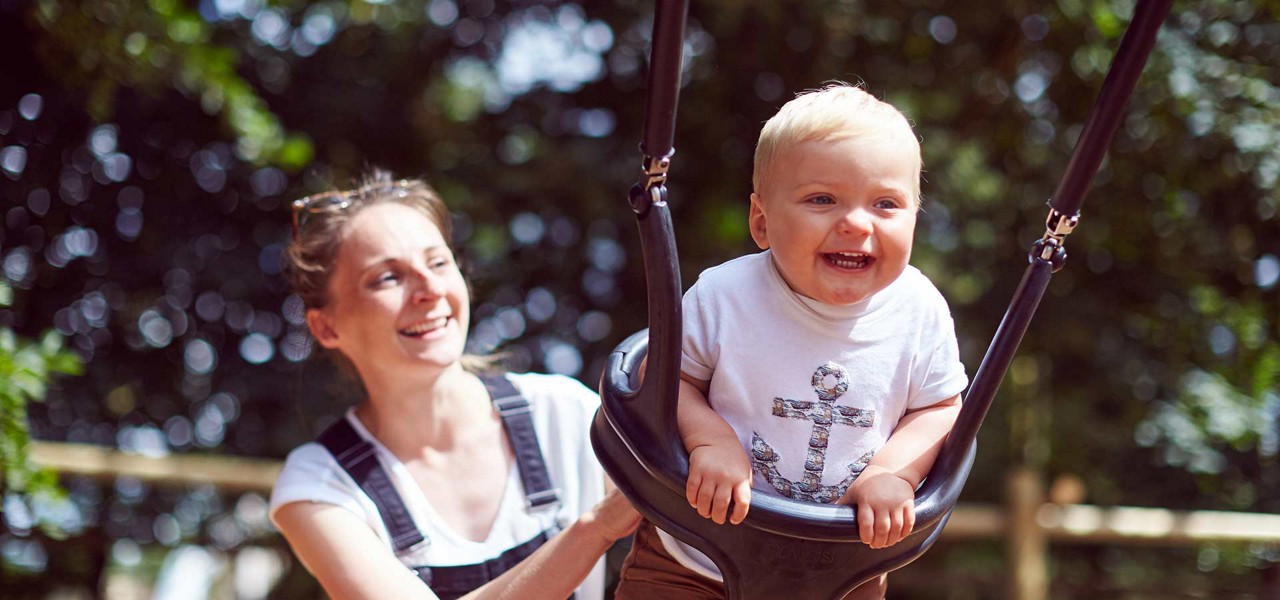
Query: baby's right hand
(719, 474)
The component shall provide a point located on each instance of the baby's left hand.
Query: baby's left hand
(886, 506)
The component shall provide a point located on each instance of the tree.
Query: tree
(148, 151)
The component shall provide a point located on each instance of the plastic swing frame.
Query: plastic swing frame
(787, 548)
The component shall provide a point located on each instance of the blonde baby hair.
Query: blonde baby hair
(834, 111)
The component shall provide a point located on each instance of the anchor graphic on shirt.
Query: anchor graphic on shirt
(824, 414)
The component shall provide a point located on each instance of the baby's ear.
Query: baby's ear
(322, 328)
(756, 222)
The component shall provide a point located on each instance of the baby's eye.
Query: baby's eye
(822, 200)
(386, 277)
(887, 204)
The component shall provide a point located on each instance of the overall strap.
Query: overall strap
(450, 583)
(359, 459)
(518, 423)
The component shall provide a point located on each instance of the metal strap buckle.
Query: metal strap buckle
(543, 498)
(655, 170)
(424, 543)
(1060, 225)
(512, 405)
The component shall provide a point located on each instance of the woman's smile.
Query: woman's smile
(432, 327)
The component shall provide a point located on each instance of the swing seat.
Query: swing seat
(785, 548)
(788, 549)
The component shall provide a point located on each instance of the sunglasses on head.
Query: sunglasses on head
(334, 201)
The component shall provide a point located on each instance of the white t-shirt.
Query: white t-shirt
(813, 390)
(562, 412)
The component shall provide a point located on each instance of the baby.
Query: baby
(826, 365)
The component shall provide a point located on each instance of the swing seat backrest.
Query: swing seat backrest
(785, 548)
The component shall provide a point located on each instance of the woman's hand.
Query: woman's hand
(612, 518)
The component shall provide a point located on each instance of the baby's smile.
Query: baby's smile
(849, 260)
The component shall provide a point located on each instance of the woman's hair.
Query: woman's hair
(835, 111)
(323, 222)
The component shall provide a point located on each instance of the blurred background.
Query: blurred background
(149, 149)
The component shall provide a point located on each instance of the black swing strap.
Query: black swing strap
(1048, 254)
(788, 549)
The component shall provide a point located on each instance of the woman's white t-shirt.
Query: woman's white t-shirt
(562, 412)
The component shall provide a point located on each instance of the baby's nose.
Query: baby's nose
(856, 221)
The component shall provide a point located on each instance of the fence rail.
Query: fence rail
(1027, 522)
(229, 472)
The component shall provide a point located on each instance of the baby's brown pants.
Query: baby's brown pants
(649, 573)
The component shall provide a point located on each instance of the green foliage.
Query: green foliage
(1208, 418)
(105, 47)
(1150, 372)
(25, 370)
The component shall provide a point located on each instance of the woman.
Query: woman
(429, 481)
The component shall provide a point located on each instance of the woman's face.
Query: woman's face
(396, 296)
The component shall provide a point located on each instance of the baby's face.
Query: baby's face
(839, 215)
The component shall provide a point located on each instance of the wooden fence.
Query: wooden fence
(1027, 522)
